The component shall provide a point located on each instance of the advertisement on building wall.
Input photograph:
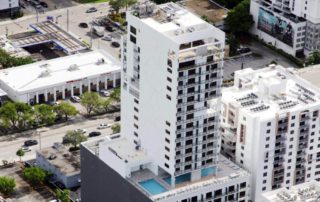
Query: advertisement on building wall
(275, 26)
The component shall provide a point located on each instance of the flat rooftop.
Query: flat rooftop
(51, 32)
(225, 170)
(8, 47)
(66, 162)
(170, 19)
(305, 192)
(45, 74)
(270, 90)
(125, 150)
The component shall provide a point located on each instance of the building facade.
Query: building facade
(170, 94)
(308, 191)
(291, 25)
(270, 126)
(9, 7)
(61, 78)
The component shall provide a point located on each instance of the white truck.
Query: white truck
(98, 30)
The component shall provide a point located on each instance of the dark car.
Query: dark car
(30, 143)
(94, 134)
(115, 44)
(109, 28)
(91, 10)
(43, 4)
(117, 118)
(243, 50)
(83, 25)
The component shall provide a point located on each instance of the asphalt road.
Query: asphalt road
(77, 14)
(48, 135)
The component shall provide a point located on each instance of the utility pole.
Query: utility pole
(7, 30)
(37, 14)
(67, 20)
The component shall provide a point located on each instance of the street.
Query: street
(77, 14)
(48, 135)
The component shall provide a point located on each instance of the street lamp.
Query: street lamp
(39, 134)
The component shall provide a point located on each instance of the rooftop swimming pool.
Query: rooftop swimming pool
(208, 171)
(152, 186)
(179, 179)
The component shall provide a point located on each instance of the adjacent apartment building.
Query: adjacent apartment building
(308, 191)
(270, 126)
(170, 101)
(291, 25)
(9, 7)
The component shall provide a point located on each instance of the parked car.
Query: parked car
(117, 118)
(25, 148)
(43, 4)
(115, 44)
(30, 143)
(243, 50)
(83, 25)
(94, 134)
(103, 126)
(109, 28)
(79, 130)
(105, 93)
(91, 10)
(106, 38)
(75, 99)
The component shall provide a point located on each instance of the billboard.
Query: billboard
(275, 26)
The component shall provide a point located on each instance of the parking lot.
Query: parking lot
(77, 15)
(261, 57)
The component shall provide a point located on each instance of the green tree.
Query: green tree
(20, 153)
(239, 19)
(116, 128)
(115, 95)
(91, 101)
(8, 114)
(314, 58)
(63, 195)
(65, 109)
(24, 114)
(7, 185)
(73, 138)
(34, 175)
(105, 104)
(9, 61)
(44, 114)
(233, 44)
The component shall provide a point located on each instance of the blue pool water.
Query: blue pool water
(179, 179)
(207, 171)
(153, 187)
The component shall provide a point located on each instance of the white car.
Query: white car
(103, 126)
(105, 93)
(75, 99)
(25, 148)
(79, 130)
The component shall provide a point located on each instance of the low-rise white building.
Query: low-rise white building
(60, 78)
(270, 126)
(9, 7)
(62, 164)
(308, 191)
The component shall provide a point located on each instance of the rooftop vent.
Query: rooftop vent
(73, 67)
(190, 29)
(44, 73)
(100, 61)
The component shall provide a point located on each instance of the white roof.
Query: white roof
(271, 90)
(126, 150)
(59, 71)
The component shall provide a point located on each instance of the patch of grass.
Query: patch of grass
(92, 1)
